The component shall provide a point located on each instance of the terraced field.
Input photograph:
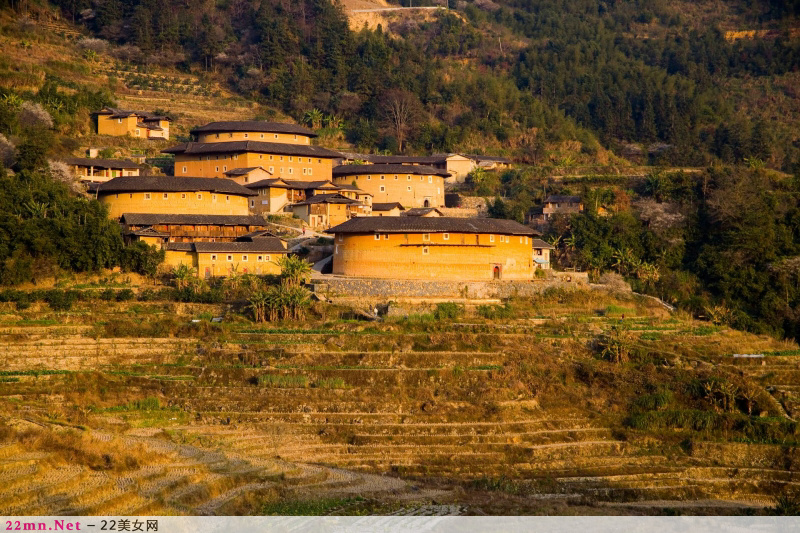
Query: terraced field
(404, 416)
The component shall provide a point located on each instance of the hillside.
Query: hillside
(124, 409)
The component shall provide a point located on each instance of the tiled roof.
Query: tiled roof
(400, 159)
(243, 171)
(254, 125)
(480, 158)
(149, 232)
(100, 163)
(292, 184)
(561, 199)
(432, 225)
(327, 199)
(179, 246)
(260, 244)
(123, 113)
(149, 219)
(173, 184)
(539, 243)
(387, 206)
(195, 148)
(352, 170)
(421, 212)
(353, 188)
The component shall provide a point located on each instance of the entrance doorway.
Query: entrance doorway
(427, 203)
(497, 272)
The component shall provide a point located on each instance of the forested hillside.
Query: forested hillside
(496, 74)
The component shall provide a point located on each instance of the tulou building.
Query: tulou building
(281, 150)
(170, 195)
(431, 248)
(140, 124)
(204, 223)
(409, 185)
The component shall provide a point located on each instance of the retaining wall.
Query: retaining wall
(395, 288)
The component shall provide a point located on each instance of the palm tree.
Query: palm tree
(294, 270)
(183, 276)
(313, 118)
(334, 122)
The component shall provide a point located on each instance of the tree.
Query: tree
(400, 111)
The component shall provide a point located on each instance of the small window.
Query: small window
(377, 237)
(281, 158)
(426, 236)
(214, 256)
(230, 135)
(491, 238)
(385, 236)
(165, 196)
(244, 258)
(430, 179)
(319, 160)
(266, 258)
(271, 170)
(119, 121)
(147, 196)
(304, 172)
(295, 137)
(369, 178)
(309, 171)
(383, 177)
(309, 160)
(199, 196)
(290, 159)
(230, 258)
(252, 203)
(137, 132)
(408, 188)
(425, 250)
(183, 196)
(245, 136)
(260, 259)
(291, 170)
(216, 169)
(408, 178)
(276, 135)
(262, 135)
(340, 237)
(383, 189)
(213, 197)
(446, 237)
(271, 157)
(184, 170)
(520, 240)
(336, 249)
(227, 198)
(395, 177)
(225, 168)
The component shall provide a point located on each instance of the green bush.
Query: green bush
(107, 295)
(448, 310)
(125, 295)
(59, 300)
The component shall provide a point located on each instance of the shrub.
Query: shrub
(60, 300)
(125, 295)
(448, 310)
(107, 295)
(147, 295)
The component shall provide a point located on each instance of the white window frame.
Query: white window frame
(244, 258)
(425, 250)
(426, 237)
(199, 196)
(183, 196)
(445, 236)
(184, 170)
(377, 236)
(214, 256)
(165, 196)
(147, 196)
(260, 259)
(491, 238)
(230, 258)
(382, 189)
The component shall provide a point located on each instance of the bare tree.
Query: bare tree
(400, 111)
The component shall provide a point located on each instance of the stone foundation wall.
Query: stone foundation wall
(388, 289)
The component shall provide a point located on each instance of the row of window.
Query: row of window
(165, 196)
(446, 237)
(408, 178)
(383, 189)
(259, 258)
(246, 136)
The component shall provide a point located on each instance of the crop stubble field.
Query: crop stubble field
(507, 409)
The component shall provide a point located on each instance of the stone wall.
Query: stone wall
(388, 289)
